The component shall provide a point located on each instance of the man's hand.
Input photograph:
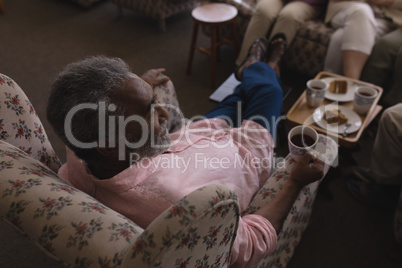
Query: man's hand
(155, 77)
(307, 170)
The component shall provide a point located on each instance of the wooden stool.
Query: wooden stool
(213, 15)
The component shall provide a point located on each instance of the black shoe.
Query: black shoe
(276, 49)
(363, 188)
(256, 53)
(362, 174)
(368, 193)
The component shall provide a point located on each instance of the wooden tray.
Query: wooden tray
(301, 114)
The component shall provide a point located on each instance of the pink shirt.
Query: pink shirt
(207, 152)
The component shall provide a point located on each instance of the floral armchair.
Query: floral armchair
(77, 230)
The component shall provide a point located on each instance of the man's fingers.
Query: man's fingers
(162, 79)
(318, 164)
(318, 161)
(307, 158)
(160, 70)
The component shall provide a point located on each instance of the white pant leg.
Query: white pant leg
(359, 26)
(355, 30)
(386, 157)
(333, 58)
(259, 25)
(291, 17)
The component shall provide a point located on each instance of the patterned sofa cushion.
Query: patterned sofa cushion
(307, 52)
(156, 9)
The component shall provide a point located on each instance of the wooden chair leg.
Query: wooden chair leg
(214, 47)
(192, 47)
(218, 44)
(235, 38)
(2, 8)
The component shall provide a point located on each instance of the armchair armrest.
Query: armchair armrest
(21, 126)
(197, 231)
(299, 216)
(67, 224)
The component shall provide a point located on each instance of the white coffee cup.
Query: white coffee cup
(315, 92)
(302, 139)
(363, 99)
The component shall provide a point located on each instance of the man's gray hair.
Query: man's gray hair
(91, 80)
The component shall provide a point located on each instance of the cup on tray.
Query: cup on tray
(363, 99)
(315, 92)
(302, 139)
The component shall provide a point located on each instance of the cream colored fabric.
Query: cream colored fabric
(355, 30)
(394, 11)
(21, 126)
(287, 19)
(77, 230)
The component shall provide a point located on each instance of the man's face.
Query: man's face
(137, 98)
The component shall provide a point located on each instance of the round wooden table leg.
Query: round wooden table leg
(213, 54)
(192, 47)
(218, 43)
(235, 37)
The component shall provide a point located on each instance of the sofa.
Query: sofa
(306, 54)
(159, 10)
(79, 231)
(86, 3)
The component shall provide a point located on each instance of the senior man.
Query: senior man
(143, 189)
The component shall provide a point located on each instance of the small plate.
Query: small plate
(353, 118)
(349, 96)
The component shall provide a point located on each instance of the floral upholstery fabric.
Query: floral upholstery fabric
(191, 235)
(65, 222)
(298, 218)
(74, 228)
(21, 126)
(198, 231)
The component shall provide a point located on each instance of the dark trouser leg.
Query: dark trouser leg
(259, 98)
